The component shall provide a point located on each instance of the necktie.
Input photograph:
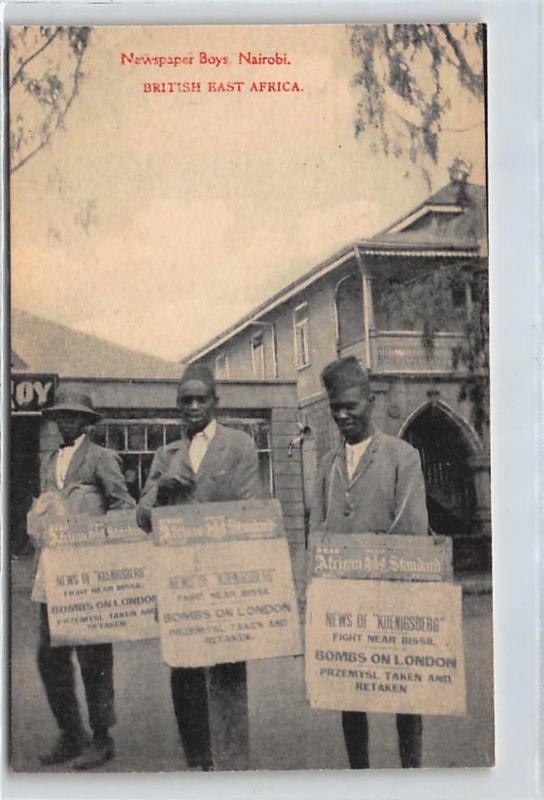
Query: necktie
(350, 461)
(197, 450)
(63, 461)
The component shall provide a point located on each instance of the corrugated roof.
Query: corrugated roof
(16, 362)
(45, 346)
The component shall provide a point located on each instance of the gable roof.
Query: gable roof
(45, 346)
(452, 222)
(452, 218)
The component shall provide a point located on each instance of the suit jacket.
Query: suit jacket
(385, 495)
(94, 481)
(228, 470)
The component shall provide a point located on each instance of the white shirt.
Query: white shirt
(354, 453)
(64, 457)
(200, 443)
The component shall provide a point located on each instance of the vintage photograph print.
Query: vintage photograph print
(249, 488)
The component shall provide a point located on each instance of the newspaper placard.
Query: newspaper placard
(46, 509)
(214, 522)
(227, 601)
(383, 557)
(385, 646)
(121, 526)
(76, 529)
(55, 529)
(100, 593)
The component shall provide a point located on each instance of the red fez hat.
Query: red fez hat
(198, 372)
(344, 374)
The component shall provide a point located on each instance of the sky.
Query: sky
(155, 220)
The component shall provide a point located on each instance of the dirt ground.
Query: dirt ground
(285, 733)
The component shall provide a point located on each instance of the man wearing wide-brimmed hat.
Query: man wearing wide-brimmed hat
(90, 481)
(369, 483)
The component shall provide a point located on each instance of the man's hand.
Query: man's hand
(176, 484)
(143, 518)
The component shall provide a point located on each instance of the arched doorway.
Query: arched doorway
(445, 450)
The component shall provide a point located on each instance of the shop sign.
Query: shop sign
(32, 392)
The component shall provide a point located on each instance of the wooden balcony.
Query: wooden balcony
(404, 352)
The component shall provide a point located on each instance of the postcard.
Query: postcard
(250, 518)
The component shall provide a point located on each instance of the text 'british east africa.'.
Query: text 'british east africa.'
(213, 61)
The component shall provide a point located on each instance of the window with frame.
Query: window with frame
(302, 336)
(349, 310)
(259, 430)
(221, 367)
(137, 440)
(257, 355)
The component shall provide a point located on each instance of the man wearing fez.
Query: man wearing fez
(90, 481)
(210, 463)
(369, 483)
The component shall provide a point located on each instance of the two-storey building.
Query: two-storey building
(411, 304)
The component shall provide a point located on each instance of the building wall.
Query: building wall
(239, 355)
(320, 300)
(322, 337)
(288, 488)
(396, 400)
(407, 380)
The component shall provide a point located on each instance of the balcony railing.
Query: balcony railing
(405, 352)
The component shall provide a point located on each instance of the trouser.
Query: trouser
(221, 696)
(410, 732)
(57, 673)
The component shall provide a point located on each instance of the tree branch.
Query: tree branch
(472, 81)
(32, 153)
(24, 63)
(59, 120)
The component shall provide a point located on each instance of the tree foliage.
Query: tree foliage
(473, 352)
(450, 298)
(45, 75)
(409, 78)
(431, 302)
(415, 82)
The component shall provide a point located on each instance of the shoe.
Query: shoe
(97, 753)
(201, 766)
(67, 747)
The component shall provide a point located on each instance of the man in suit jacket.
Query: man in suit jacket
(90, 481)
(369, 483)
(211, 463)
